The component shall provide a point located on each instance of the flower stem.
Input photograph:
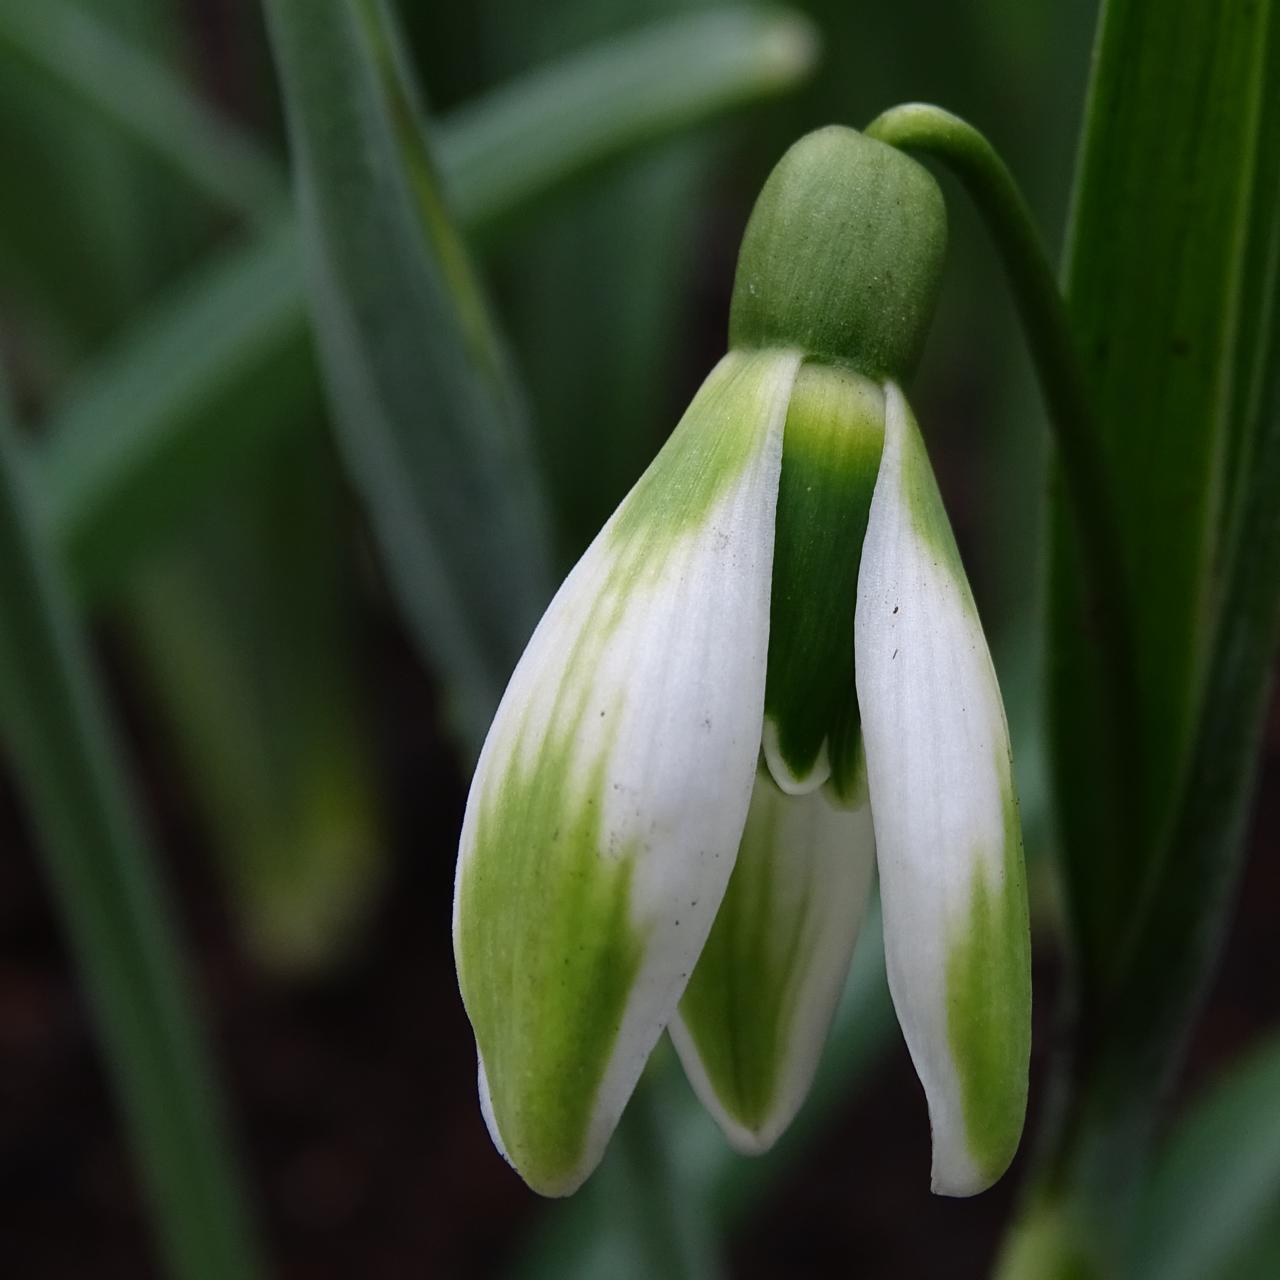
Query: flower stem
(1083, 471)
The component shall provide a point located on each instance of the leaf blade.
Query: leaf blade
(59, 738)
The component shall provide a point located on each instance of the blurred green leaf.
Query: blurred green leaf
(78, 248)
(209, 379)
(122, 82)
(632, 236)
(222, 363)
(214, 378)
(67, 766)
(247, 630)
(629, 233)
(428, 416)
(625, 92)
(1212, 1207)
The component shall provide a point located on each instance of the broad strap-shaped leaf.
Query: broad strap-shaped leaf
(830, 457)
(611, 794)
(755, 1016)
(949, 844)
(1212, 1204)
(430, 421)
(67, 769)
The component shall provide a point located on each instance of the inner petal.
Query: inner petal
(830, 455)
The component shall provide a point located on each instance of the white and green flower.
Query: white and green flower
(765, 676)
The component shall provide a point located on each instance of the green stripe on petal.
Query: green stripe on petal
(949, 849)
(758, 1008)
(605, 813)
(987, 999)
(847, 785)
(582, 987)
(830, 456)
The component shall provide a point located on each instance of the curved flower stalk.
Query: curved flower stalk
(765, 676)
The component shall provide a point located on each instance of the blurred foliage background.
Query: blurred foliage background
(300, 768)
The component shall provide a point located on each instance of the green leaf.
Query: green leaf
(122, 82)
(1212, 1207)
(1157, 264)
(225, 360)
(58, 735)
(1172, 289)
(211, 377)
(429, 419)
(247, 634)
(71, 252)
(587, 108)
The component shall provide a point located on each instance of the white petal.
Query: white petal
(756, 1014)
(606, 809)
(948, 841)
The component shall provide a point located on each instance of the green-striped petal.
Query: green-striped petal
(756, 1014)
(606, 809)
(830, 456)
(949, 845)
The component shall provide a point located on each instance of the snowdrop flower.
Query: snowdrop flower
(765, 676)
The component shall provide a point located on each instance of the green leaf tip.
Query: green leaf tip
(842, 256)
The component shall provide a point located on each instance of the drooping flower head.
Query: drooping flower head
(765, 676)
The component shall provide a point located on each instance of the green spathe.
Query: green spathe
(830, 455)
(842, 257)
(989, 1000)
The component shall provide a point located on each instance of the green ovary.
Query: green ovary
(989, 1004)
(547, 959)
(830, 456)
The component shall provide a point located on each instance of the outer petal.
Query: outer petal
(757, 1011)
(948, 840)
(610, 796)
